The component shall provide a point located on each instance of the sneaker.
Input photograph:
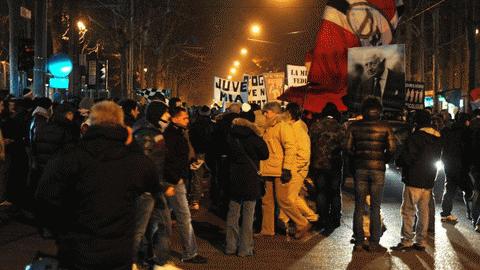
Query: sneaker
(477, 228)
(196, 260)
(449, 218)
(195, 206)
(418, 247)
(377, 248)
(401, 247)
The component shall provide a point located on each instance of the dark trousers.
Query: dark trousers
(475, 176)
(329, 198)
(452, 184)
(368, 182)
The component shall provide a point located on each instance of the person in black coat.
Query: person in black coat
(177, 166)
(153, 215)
(87, 194)
(418, 159)
(246, 149)
(457, 158)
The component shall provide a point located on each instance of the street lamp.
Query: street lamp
(244, 51)
(145, 70)
(233, 70)
(229, 77)
(81, 26)
(255, 29)
(477, 31)
(236, 63)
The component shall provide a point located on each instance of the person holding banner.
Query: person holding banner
(277, 170)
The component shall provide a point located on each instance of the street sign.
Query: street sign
(26, 13)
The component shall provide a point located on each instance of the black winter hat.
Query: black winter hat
(154, 112)
(423, 118)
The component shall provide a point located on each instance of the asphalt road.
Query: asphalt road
(452, 247)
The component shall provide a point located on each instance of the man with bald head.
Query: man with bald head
(384, 83)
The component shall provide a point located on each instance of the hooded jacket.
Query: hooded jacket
(370, 142)
(244, 139)
(87, 196)
(280, 139)
(422, 150)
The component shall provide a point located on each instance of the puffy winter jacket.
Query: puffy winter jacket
(371, 143)
(87, 196)
(280, 139)
(302, 140)
(244, 139)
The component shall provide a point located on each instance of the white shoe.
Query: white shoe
(477, 228)
(450, 218)
(167, 266)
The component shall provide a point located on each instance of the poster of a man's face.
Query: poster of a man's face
(377, 71)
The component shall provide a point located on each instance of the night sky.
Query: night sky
(225, 29)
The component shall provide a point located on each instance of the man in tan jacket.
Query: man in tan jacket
(303, 151)
(277, 170)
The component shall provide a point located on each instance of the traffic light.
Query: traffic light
(26, 54)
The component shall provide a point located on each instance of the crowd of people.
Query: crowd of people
(107, 179)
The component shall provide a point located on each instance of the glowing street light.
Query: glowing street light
(229, 77)
(233, 70)
(145, 70)
(244, 51)
(236, 63)
(477, 31)
(81, 26)
(255, 29)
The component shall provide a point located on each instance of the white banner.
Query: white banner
(229, 91)
(256, 90)
(296, 75)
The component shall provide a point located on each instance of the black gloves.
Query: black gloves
(286, 176)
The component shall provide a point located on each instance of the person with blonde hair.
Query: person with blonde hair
(87, 194)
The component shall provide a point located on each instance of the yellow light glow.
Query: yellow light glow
(255, 29)
(244, 51)
(233, 70)
(81, 26)
(229, 77)
(236, 63)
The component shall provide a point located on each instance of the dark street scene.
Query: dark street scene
(239, 134)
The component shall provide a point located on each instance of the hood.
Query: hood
(430, 131)
(105, 142)
(243, 127)
(41, 111)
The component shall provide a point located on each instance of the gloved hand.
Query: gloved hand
(286, 176)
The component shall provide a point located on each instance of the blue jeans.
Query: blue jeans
(179, 205)
(368, 182)
(144, 207)
(159, 231)
(240, 239)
